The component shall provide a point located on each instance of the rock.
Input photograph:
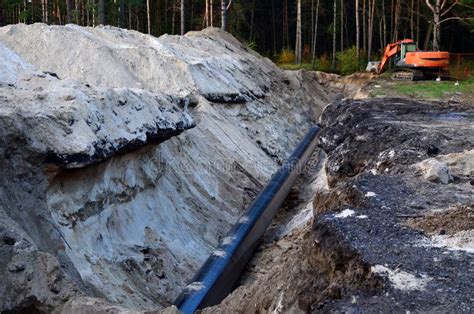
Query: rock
(15, 268)
(434, 170)
(459, 164)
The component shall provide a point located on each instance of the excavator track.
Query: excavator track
(407, 75)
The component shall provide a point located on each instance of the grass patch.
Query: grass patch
(432, 89)
(294, 67)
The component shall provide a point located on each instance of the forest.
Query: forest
(287, 31)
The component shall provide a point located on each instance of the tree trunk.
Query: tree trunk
(438, 12)
(102, 12)
(173, 17)
(384, 31)
(334, 37)
(436, 29)
(396, 20)
(182, 17)
(122, 13)
(357, 29)
(371, 27)
(77, 11)
(224, 8)
(274, 28)
(412, 26)
(342, 25)
(298, 52)
(312, 26)
(158, 18)
(69, 11)
(286, 32)
(93, 13)
(428, 35)
(315, 34)
(212, 13)
(417, 20)
(166, 16)
(148, 19)
(392, 10)
(252, 13)
(206, 14)
(88, 13)
(44, 9)
(364, 26)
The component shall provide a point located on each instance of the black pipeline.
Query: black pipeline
(218, 275)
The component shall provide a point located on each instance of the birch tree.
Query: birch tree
(342, 25)
(357, 29)
(439, 9)
(101, 12)
(69, 10)
(224, 8)
(315, 34)
(148, 19)
(182, 17)
(334, 21)
(298, 52)
(371, 28)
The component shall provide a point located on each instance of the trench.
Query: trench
(134, 228)
(127, 222)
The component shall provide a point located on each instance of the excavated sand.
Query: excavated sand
(135, 227)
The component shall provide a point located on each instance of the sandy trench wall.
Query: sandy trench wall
(138, 225)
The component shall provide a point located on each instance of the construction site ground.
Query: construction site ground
(120, 179)
(387, 232)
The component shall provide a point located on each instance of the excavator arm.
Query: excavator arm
(390, 51)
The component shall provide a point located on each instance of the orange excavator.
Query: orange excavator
(411, 63)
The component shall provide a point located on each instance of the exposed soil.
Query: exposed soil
(300, 264)
(358, 254)
(459, 218)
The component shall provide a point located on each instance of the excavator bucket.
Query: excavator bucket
(372, 66)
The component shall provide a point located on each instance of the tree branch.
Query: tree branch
(426, 17)
(430, 5)
(456, 18)
(450, 7)
(466, 5)
(443, 4)
(228, 6)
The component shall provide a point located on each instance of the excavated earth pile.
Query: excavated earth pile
(125, 158)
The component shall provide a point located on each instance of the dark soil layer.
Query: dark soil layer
(359, 255)
(372, 147)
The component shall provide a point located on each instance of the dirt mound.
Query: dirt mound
(133, 228)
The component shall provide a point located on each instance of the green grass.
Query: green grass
(433, 89)
(294, 67)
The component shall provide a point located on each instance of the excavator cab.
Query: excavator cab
(407, 47)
